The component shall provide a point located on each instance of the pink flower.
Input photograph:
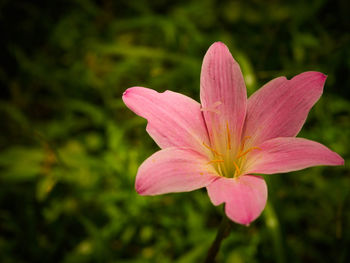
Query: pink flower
(221, 143)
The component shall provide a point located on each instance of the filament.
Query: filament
(212, 107)
(238, 171)
(209, 109)
(216, 161)
(247, 151)
(211, 149)
(228, 136)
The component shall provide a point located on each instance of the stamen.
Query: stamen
(215, 161)
(220, 170)
(212, 110)
(212, 107)
(244, 141)
(211, 149)
(217, 103)
(228, 136)
(238, 171)
(247, 151)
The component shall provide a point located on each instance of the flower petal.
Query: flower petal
(174, 170)
(223, 95)
(280, 107)
(173, 119)
(245, 197)
(280, 155)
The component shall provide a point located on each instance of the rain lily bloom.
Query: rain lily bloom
(222, 143)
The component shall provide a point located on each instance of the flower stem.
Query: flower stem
(223, 232)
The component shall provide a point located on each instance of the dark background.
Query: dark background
(70, 149)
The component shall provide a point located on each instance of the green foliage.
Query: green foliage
(70, 149)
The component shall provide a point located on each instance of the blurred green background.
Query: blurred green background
(70, 149)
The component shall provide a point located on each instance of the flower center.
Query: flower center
(230, 162)
(228, 155)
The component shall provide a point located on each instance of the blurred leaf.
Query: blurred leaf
(20, 163)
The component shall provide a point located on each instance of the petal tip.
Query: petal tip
(321, 77)
(218, 46)
(128, 91)
(138, 187)
(245, 221)
(125, 93)
(335, 159)
(317, 76)
(140, 191)
(340, 161)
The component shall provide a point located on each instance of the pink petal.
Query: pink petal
(173, 119)
(280, 107)
(223, 95)
(281, 155)
(174, 170)
(245, 197)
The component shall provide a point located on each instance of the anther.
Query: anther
(244, 141)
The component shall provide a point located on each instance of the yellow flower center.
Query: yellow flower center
(230, 162)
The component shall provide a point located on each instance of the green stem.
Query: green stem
(223, 232)
(273, 225)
